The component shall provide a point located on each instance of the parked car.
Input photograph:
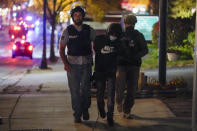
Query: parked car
(22, 48)
(17, 31)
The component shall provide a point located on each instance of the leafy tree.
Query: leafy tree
(138, 2)
(154, 7)
(54, 7)
(10, 3)
(95, 8)
(182, 8)
(177, 8)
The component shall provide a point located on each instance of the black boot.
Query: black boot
(110, 120)
(77, 120)
(77, 117)
(102, 113)
(86, 115)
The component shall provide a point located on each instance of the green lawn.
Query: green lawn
(150, 62)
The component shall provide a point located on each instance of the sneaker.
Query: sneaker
(119, 107)
(127, 116)
(86, 115)
(77, 120)
(110, 120)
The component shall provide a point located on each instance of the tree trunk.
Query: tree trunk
(53, 58)
(43, 64)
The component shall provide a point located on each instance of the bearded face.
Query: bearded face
(77, 18)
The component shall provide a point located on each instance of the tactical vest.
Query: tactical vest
(79, 43)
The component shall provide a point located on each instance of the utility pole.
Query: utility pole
(194, 100)
(162, 41)
(44, 60)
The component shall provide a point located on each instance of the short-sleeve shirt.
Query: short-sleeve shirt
(64, 39)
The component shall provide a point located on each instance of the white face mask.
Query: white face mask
(112, 38)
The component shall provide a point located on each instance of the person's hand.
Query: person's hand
(67, 68)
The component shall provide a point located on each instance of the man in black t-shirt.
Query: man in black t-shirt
(106, 49)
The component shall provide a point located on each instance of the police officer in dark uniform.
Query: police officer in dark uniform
(106, 49)
(134, 47)
(78, 38)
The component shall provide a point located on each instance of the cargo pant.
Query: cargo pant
(126, 80)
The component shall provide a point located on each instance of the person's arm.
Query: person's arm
(63, 45)
(95, 47)
(92, 46)
(92, 38)
(64, 56)
(143, 46)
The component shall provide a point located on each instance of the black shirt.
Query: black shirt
(106, 54)
(133, 47)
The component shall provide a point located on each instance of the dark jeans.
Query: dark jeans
(127, 79)
(101, 84)
(79, 84)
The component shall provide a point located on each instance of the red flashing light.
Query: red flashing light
(14, 47)
(23, 37)
(22, 42)
(30, 48)
(15, 27)
(12, 36)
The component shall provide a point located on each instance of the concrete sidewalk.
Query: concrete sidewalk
(42, 101)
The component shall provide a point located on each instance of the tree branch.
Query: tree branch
(50, 13)
(64, 5)
(59, 6)
(54, 5)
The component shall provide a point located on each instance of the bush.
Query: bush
(189, 44)
(155, 34)
(190, 38)
(170, 36)
(153, 50)
(185, 51)
(177, 31)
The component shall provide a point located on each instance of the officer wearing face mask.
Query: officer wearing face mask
(106, 51)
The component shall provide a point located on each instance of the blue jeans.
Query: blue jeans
(101, 85)
(127, 79)
(79, 84)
